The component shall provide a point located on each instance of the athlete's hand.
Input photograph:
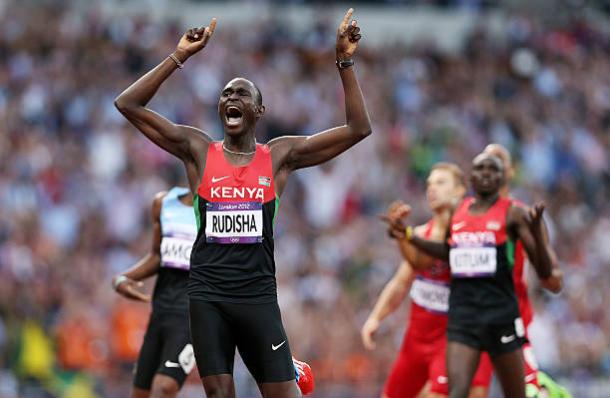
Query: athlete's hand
(553, 283)
(195, 39)
(534, 218)
(130, 289)
(397, 211)
(367, 333)
(348, 36)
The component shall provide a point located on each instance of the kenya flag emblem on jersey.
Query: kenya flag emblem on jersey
(266, 181)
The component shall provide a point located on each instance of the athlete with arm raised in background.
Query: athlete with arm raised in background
(419, 370)
(483, 310)
(236, 185)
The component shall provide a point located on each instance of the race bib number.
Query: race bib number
(176, 252)
(431, 295)
(231, 223)
(471, 262)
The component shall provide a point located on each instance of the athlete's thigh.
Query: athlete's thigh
(409, 372)
(212, 338)
(219, 386)
(509, 370)
(439, 381)
(177, 356)
(462, 363)
(482, 378)
(262, 342)
(139, 393)
(149, 357)
(283, 389)
(164, 386)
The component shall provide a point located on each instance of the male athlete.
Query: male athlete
(483, 310)
(236, 185)
(553, 283)
(166, 357)
(422, 356)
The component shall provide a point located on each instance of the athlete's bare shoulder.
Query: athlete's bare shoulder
(157, 204)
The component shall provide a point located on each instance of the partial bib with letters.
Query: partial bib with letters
(178, 230)
(232, 258)
(473, 254)
(430, 294)
(178, 233)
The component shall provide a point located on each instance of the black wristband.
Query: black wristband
(345, 63)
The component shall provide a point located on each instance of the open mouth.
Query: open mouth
(233, 116)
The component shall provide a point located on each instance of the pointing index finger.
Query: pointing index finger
(346, 18)
(211, 27)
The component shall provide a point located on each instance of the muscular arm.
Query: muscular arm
(393, 293)
(535, 247)
(435, 248)
(179, 140)
(187, 143)
(295, 152)
(412, 254)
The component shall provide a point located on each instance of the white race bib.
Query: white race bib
(472, 262)
(176, 252)
(431, 295)
(235, 222)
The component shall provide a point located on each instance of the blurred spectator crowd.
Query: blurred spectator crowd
(76, 183)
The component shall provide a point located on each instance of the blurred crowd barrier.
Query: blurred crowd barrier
(77, 182)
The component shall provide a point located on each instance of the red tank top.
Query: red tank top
(235, 206)
(430, 298)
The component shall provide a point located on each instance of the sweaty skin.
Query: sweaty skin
(239, 109)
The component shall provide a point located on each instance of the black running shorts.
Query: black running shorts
(256, 330)
(166, 350)
(494, 339)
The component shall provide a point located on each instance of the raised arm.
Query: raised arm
(185, 142)
(128, 282)
(544, 258)
(419, 252)
(393, 293)
(528, 228)
(294, 152)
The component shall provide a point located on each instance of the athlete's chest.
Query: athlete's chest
(223, 182)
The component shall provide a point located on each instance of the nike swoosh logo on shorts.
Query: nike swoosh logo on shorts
(507, 339)
(216, 179)
(275, 347)
(169, 364)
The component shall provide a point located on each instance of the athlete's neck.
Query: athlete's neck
(484, 201)
(244, 143)
(441, 216)
(504, 191)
